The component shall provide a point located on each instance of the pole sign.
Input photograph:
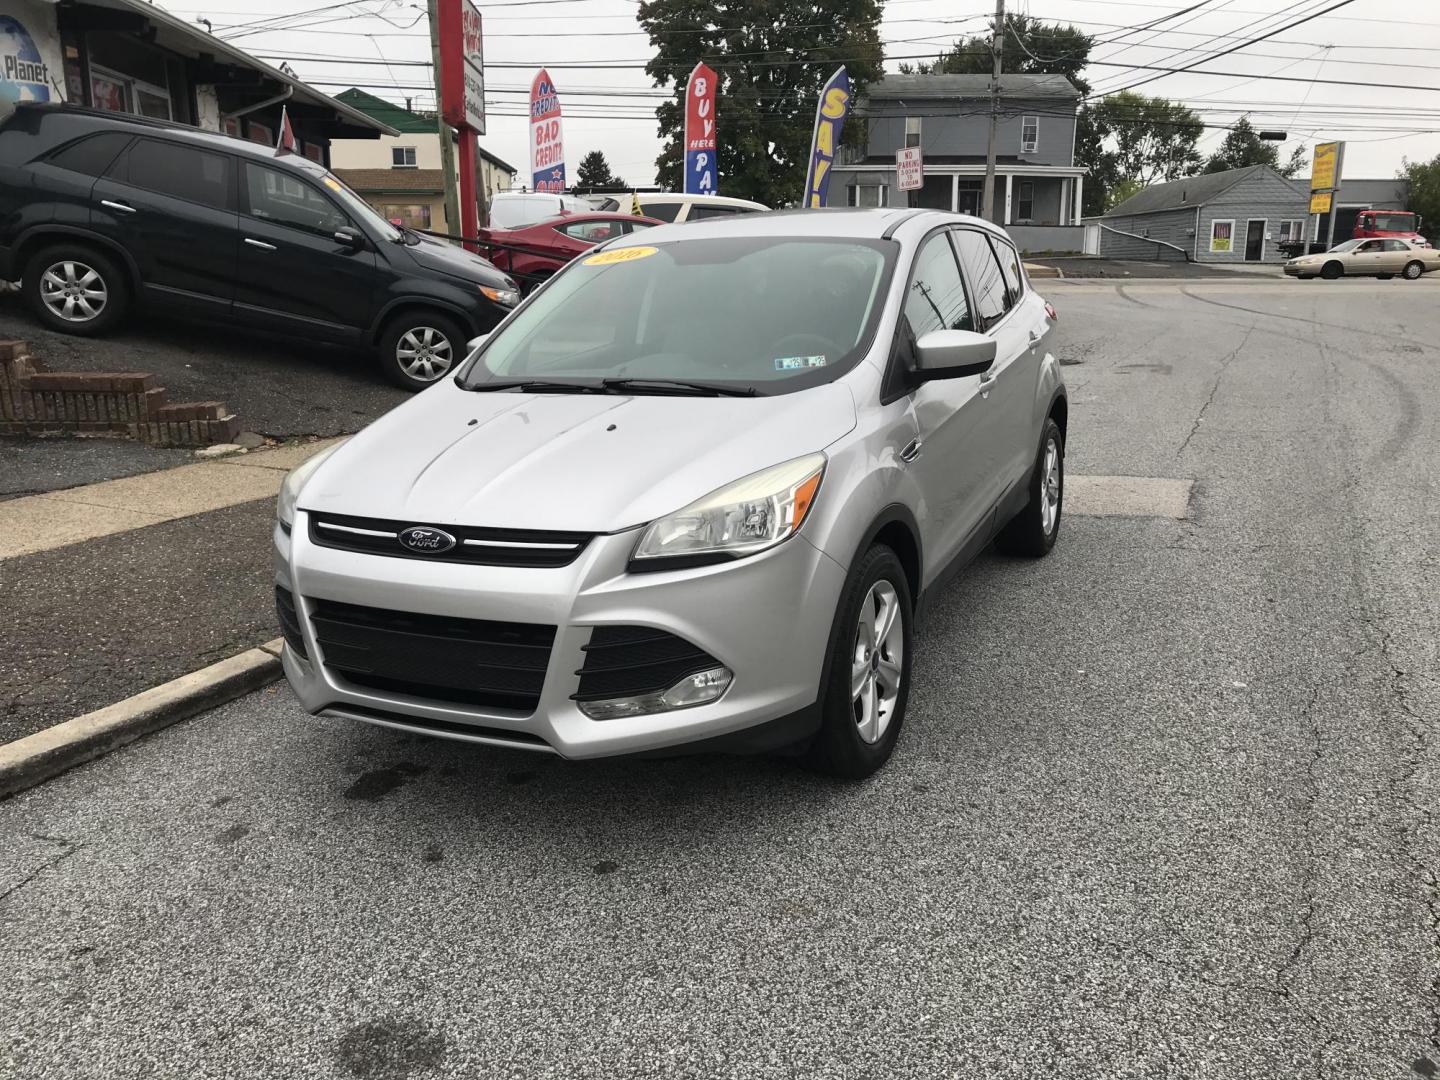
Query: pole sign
(547, 145)
(700, 169)
(1325, 169)
(462, 66)
(829, 122)
(1320, 202)
(909, 168)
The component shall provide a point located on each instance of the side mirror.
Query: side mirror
(473, 344)
(952, 354)
(351, 238)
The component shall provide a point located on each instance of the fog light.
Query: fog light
(698, 689)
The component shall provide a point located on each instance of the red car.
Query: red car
(548, 245)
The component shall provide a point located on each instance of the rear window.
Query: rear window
(180, 171)
(987, 284)
(93, 154)
(665, 211)
(700, 210)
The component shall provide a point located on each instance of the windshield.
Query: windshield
(1393, 222)
(1348, 245)
(774, 313)
(359, 208)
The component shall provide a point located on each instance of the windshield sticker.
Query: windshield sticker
(620, 255)
(797, 363)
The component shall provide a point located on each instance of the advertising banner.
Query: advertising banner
(830, 116)
(30, 62)
(700, 169)
(462, 65)
(909, 168)
(1320, 202)
(547, 145)
(1325, 168)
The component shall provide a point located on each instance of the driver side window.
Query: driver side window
(936, 298)
(281, 198)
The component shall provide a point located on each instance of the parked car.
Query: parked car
(670, 206)
(549, 245)
(517, 209)
(101, 212)
(1381, 259)
(689, 494)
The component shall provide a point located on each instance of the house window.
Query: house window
(402, 157)
(912, 131)
(1029, 134)
(314, 151)
(259, 133)
(869, 195)
(1222, 236)
(231, 127)
(411, 215)
(114, 92)
(1292, 230)
(1025, 207)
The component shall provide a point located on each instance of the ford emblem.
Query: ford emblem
(424, 540)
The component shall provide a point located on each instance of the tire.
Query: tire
(1384, 277)
(529, 285)
(859, 729)
(434, 345)
(1033, 531)
(1304, 277)
(1332, 270)
(1413, 270)
(75, 277)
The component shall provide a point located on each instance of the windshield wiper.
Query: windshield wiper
(677, 386)
(538, 386)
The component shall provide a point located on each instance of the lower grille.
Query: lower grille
(289, 622)
(477, 662)
(521, 739)
(624, 661)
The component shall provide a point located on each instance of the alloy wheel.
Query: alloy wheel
(73, 291)
(1050, 487)
(424, 353)
(878, 661)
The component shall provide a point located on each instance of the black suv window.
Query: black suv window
(182, 171)
(91, 155)
(936, 300)
(285, 199)
(987, 284)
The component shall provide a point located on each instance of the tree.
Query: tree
(1031, 47)
(1122, 190)
(1423, 178)
(1243, 147)
(594, 172)
(772, 57)
(1153, 138)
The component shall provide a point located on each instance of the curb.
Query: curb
(38, 757)
(1040, 270)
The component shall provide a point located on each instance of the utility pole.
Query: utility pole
(997, 45)
(447, 137)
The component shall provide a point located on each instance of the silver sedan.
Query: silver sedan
(1378, 258)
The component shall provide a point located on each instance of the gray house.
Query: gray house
(1038, 188)
(1240, 215)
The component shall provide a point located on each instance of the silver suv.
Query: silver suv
(688, 494)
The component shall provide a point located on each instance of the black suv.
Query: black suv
(99, 211)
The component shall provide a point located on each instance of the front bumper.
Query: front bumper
(1296, 271)
(767, 618)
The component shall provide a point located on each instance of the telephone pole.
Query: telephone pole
(997, 46)
(447, 137)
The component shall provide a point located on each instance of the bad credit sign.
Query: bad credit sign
(547, 139)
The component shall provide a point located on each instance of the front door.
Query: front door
(1255, 240)
(294, 275)
(969, 202)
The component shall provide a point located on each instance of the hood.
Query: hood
(456, 261)
(565, 462)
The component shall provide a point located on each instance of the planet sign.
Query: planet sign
(24, 75)
(700, 168)
(829, 122)
(547, 144)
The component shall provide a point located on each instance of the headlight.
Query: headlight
(503, 297)
(750, 515)
(294, 481)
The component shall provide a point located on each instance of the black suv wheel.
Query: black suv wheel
(420, 348)
(75, 289)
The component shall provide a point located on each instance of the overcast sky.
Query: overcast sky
(1367, 41)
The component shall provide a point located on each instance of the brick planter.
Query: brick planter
(34, 401)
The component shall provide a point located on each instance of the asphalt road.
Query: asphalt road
(1164, 805)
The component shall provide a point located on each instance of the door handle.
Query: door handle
(118, 206)
(987, 381)
(911, 451)
(260, 244)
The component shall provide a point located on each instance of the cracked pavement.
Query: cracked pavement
(1164, 805)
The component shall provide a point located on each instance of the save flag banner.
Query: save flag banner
(547, 145)
(829, 122)
(700, 171)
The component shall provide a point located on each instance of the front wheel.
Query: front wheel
(862, 704)
(1331, 270)
(1413, 270)
(419, 348)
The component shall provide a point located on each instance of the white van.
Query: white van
(516, 209)
(671, 206)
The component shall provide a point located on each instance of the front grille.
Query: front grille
(289, 623)
(623, 661)
(477, 662)
(480, 547)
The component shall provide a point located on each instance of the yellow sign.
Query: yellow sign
(1320, 202)
(1325, 169)
(620, 255)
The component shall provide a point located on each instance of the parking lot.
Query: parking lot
(1163, 806)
